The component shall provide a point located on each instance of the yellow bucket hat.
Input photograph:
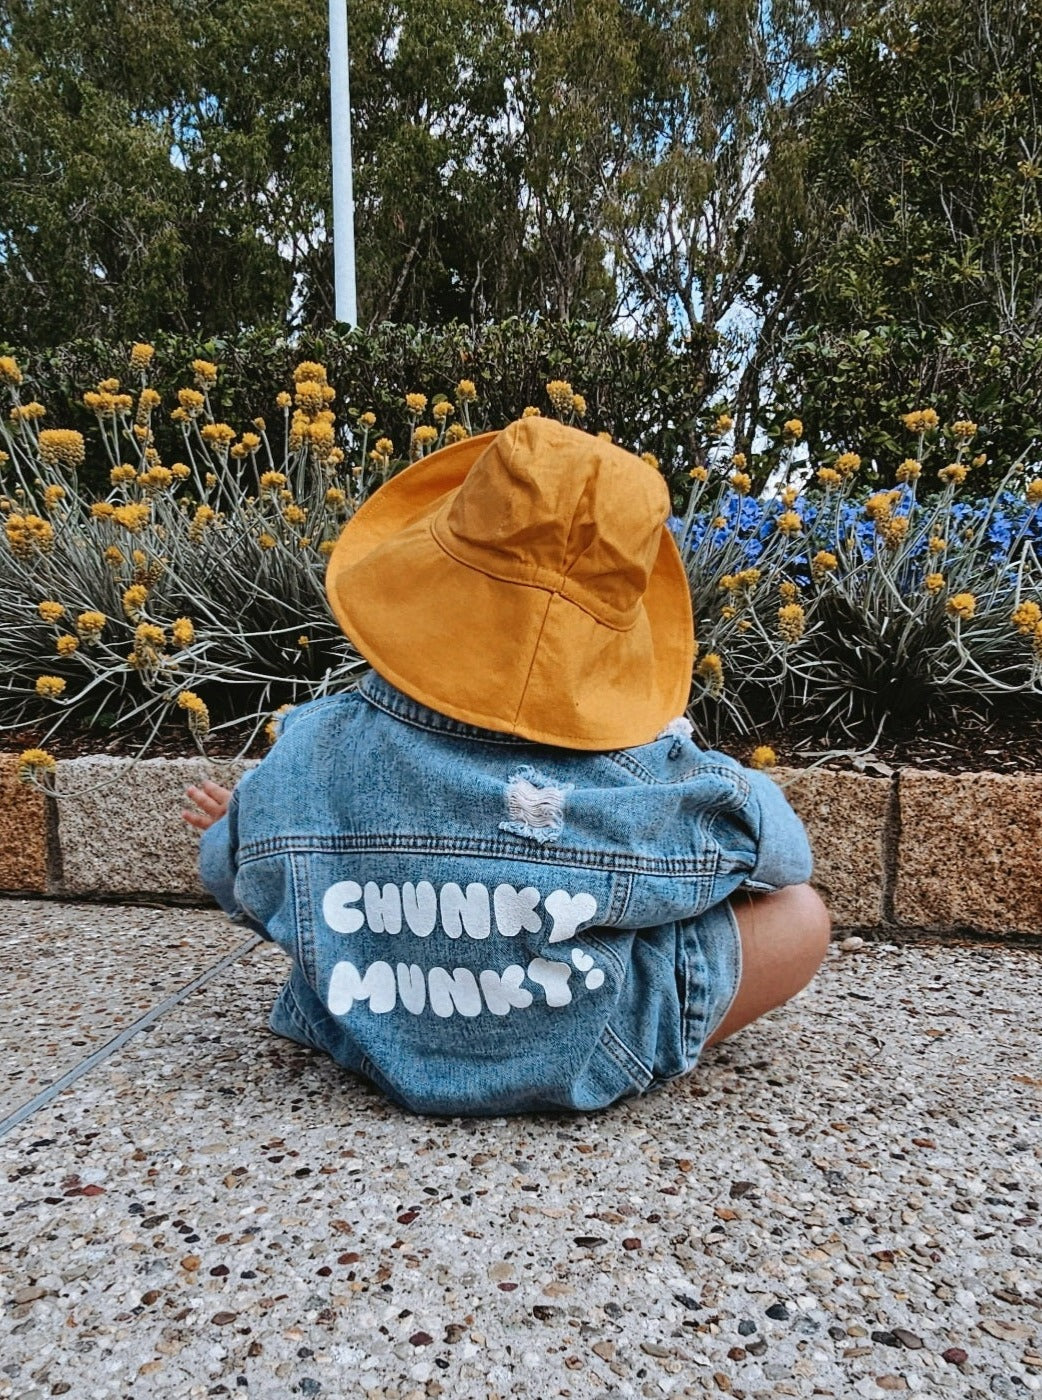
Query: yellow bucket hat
(523, 581)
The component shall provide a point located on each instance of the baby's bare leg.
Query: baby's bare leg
(785, 937)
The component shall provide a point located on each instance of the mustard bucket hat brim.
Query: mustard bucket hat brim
(524, 582)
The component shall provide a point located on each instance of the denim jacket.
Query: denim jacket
(483, 925)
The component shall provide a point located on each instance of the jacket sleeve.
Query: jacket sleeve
(772, 844)
(218, 848)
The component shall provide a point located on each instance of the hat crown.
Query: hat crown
(552, 507)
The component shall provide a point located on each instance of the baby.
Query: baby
(506, 878)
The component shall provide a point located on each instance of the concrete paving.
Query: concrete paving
(843, 1200)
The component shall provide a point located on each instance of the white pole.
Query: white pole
(343, 194)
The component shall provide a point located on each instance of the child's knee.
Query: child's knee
(813, 925)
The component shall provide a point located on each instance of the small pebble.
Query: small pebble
(955, 1355)
(852, 944)
(779, 1312)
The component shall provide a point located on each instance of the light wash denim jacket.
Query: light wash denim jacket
(483, 925)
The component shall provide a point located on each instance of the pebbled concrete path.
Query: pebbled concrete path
(844, 1200)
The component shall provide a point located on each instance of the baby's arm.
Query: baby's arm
(213, 799)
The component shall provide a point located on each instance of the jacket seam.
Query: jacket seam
(701, 866)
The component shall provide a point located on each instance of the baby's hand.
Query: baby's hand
(213, 799)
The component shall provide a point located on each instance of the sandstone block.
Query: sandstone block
(967, 851)
(120, 825)
(23, 832)
(845, 815)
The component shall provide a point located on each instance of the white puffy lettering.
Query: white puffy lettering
(420, 903)
(383, 908)
(502, 990)
(516, 910)
(456, 990)
(412, 989)
(337, 915)
(468, 911)
(568, 912)
(346, 987)
(553, 978)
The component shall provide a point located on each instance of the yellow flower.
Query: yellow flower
(272, 481)
(698, 474)
(221, 435)
(828, 476)
(934, 583)
(271, 728)
(880, 506)
(266, 541)
(335, 498)
(9, 371)
(954, 474)
(742, 482)
(198, 714)
(728, 612)
(295, 515)
(259, 424)
(50, 612)
(724, 423)
(650, 458)
(465, 391)
(909, 470)
(416, 403)
(962, 606)
(303, 642)
(847, 463)
(1026, 617)
(936, 544)
(327, 547)
(763, 756)
(789, 523)
(711, 670)
(108, 386)
(309, 369)
(191, 401)
(132, 517)
(788, 591)
(62, 447)
(922, 420)
(456, 433)
(90, 625)
(425, 434)
(739, 461)
(205, 373)
(559, 392)
(134, 599)
(895, 530)
(66, 644)
(148, 636)
(148, 399)
(102, 510)
(27, 412)
(310, 395)
(182, 632)
(719, 522)
(793, 428)
(531, 412)
(963, 428)
(823, 563)
(102, 404)
(28, 533)
(367, 420)
(141, 356)
(123, 473)
(34, 762)
(203, 517)
(114, 557)
(283, 400)
(578, 405)
(1033, 491)
(49, 687)
(156, 479)
(788, 496)
(979, 460)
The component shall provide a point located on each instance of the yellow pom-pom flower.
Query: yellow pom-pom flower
(10, 374)
(763, 756)
(62, 447)
(205, 373)
(962, 606)
(50, 611)
(416, 403)
(33, 763)
(49, 687)
(66, 644)
(141, 356)
(465, 391)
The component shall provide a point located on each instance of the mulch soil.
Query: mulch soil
(1011, 744)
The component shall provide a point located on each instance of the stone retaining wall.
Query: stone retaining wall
(919, 849)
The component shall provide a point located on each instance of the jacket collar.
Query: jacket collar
(383, 696)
